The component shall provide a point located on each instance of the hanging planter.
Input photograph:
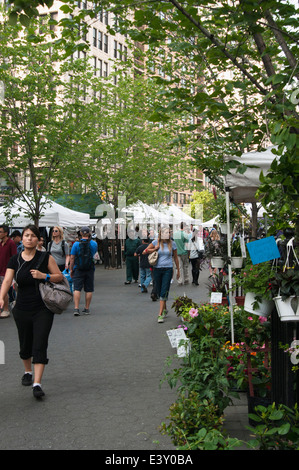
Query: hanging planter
(288, 309)
(264, 309)
(237, 262)
(217, 262)
(224, 229)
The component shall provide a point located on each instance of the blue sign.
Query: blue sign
(262, 250)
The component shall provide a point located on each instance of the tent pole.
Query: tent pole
(229, 264)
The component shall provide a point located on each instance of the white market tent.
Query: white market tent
(162, 214)
(52, 214)
(242, 188)
(211, 222)
(142, 213)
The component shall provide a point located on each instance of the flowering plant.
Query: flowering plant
(182, 304)
(256, 278)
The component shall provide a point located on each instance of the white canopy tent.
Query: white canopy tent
(242, 188)
(176, 215)
(211, 222)
(52, 214)
(162, 214)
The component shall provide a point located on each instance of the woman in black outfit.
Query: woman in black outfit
(33, 319)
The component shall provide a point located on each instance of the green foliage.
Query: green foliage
(277, 428)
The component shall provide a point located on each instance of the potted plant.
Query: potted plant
(255, 281)
(216, 251)
(233, 217)
(285, 291)
(219, 283)
(236, 255)
(182, 305)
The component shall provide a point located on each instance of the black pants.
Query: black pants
(34, 328)
(195, 270)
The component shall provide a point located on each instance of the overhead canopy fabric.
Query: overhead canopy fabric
(243, 187)
(52, 214)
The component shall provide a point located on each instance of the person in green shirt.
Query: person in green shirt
(181, 239)
(132, 262)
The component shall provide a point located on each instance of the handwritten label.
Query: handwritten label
(216, 298)
(175, 336)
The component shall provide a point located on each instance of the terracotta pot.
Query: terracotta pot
(240, 300)
(224, 301)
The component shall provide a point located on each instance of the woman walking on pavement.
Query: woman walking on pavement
(33, 319)
(163, 270)
(59, 249)
(196, 250)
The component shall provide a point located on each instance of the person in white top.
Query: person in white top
(196, 249)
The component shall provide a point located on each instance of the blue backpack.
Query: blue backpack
(84, 259)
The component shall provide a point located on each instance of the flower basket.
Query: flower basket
(285, 309)
(264, 309)
(217, 262)
(237, 262)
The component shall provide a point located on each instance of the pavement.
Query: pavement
(104, 381)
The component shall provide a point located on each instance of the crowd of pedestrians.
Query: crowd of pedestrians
(22, 267)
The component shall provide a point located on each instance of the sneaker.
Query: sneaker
(27, 379)
(76, 312)
(38, 392)
(4, 314)
(127, 282)
(86, 311)
(161, 319)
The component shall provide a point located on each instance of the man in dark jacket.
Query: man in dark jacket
(132, 262)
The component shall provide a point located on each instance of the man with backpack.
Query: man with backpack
(82, 269)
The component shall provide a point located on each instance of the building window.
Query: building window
(100, 40)
(94, 35)
(115, 50)
(120, 51)
(100, 62)
(105, 69)
(175, 198)
(106, 43)
(95, 66)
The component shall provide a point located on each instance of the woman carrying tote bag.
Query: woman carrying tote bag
(163, 269)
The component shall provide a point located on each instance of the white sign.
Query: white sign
(175, 336)
(216, 298)
(179, 340)
(183, 349)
